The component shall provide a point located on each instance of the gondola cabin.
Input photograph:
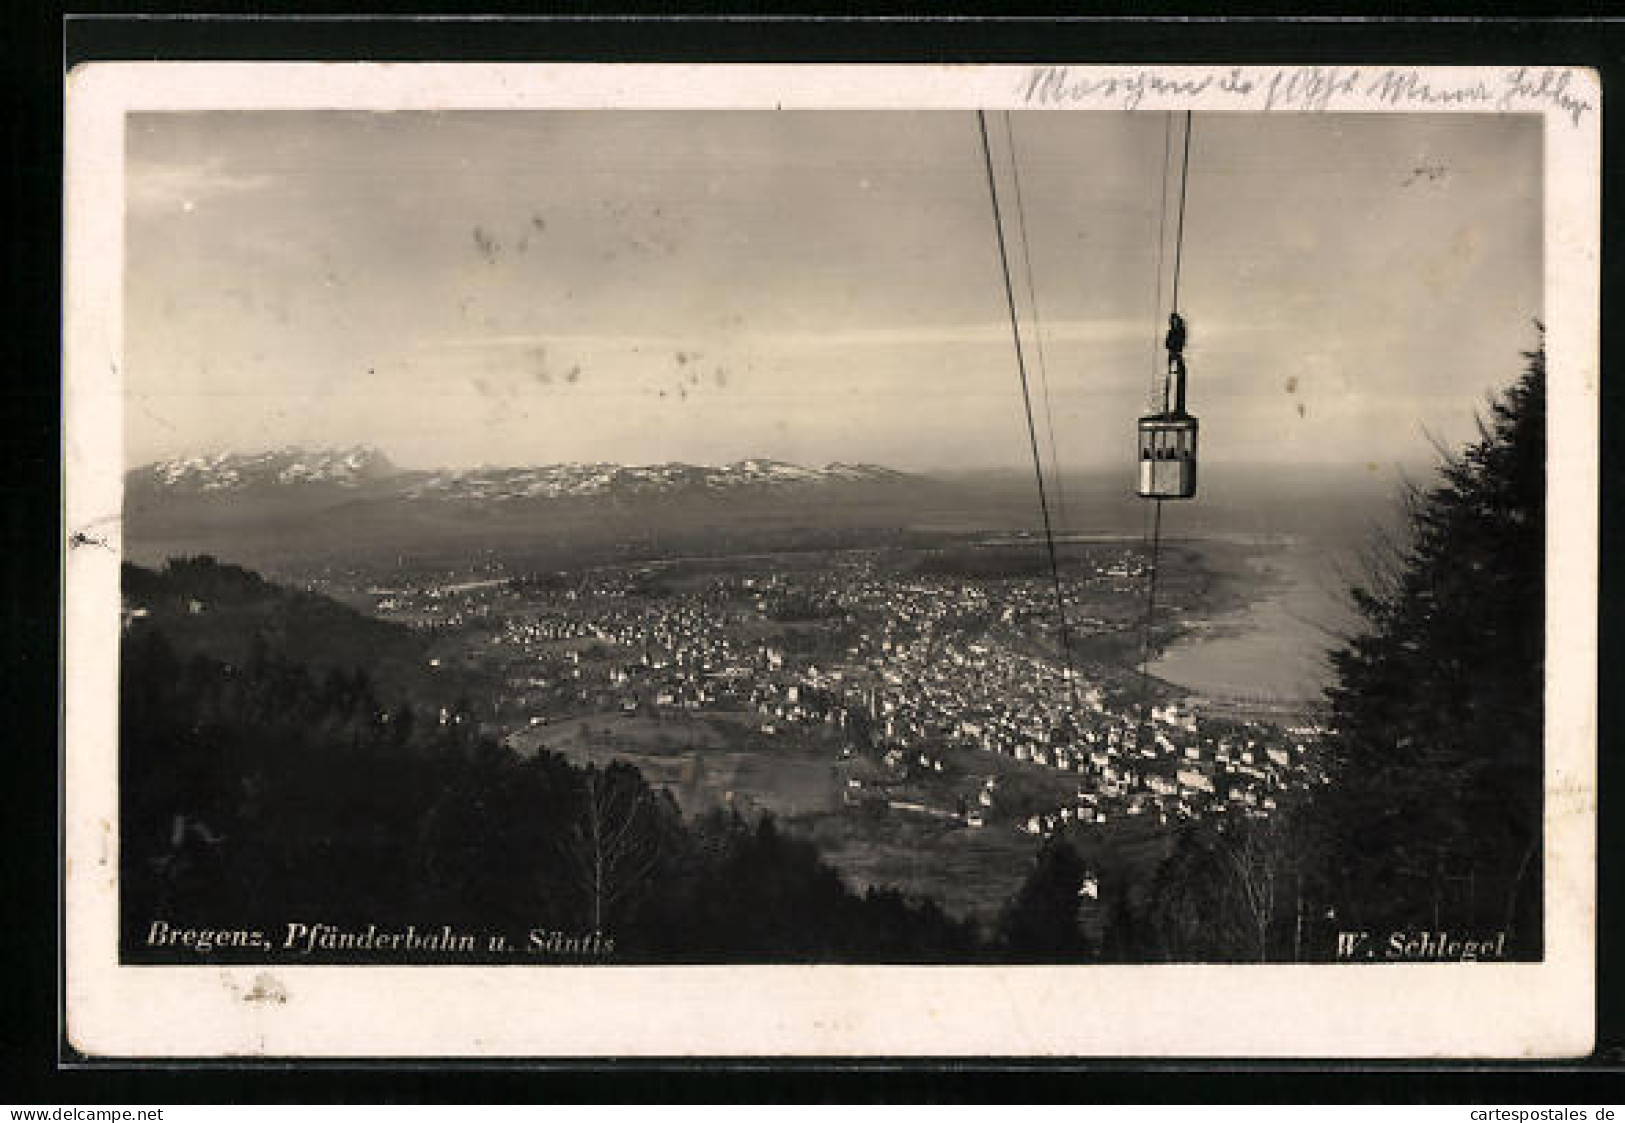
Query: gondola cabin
(1168, 455)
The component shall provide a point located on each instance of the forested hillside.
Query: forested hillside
(257, 793)
(222, 610)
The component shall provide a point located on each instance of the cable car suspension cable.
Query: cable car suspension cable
(1038, 328)
(1156, 517)
(1027, 402)
(1159, 371)
(1179, 231)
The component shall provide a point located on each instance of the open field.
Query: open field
(705, 762)
(920, 848)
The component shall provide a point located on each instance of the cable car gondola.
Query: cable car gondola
(1168, 439)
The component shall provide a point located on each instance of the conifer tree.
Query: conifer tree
(1041, 920)
(1437, 706)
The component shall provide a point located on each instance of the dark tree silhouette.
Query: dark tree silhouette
(1437, 706)
(1041, 922)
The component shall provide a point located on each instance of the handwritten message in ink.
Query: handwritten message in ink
(1312, 88)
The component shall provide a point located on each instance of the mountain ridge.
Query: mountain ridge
(365, 468)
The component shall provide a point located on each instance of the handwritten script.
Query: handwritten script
(1312, 88)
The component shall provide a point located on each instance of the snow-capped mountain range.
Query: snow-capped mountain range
(232, 471)
(556, 481)
(364, 469)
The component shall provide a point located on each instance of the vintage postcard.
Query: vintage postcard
(653, 560)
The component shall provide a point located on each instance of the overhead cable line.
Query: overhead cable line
(1179, 233)
(1159, 371)
(1027, 401)
(1038, 328)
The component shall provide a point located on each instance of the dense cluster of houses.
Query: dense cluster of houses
(1176, 778)
(905, 665)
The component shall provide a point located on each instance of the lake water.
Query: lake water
(1275, 648)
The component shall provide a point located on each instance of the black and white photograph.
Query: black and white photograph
(1107, 521)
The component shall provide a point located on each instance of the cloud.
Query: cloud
(939, 335)
(993, 333)
(168, 187)
(532, 341)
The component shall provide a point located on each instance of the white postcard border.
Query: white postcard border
(1385, 1010)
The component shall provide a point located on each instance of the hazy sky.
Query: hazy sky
(530, 287)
